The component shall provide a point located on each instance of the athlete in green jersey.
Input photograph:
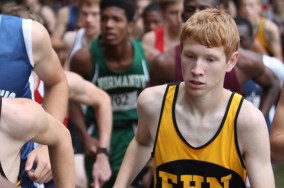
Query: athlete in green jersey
(119, 66)
(124, 88)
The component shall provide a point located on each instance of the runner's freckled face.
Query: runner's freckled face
(114, 25)
(203, 68)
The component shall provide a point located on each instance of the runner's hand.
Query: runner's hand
(38, 165)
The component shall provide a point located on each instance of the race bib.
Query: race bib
(124, 101)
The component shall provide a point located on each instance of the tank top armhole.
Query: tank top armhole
(77, 44)
(268, 45)
(95, 55)
(236, 133)
(140, 47)
(139, 50)
(27, 33)
(161, 112)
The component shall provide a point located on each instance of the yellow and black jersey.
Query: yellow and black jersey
(217, 164)
(260, 36)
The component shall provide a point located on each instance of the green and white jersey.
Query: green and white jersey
(123, 87)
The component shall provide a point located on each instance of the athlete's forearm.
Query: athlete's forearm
(104, 121)
(62, 161)
(56, 100)
(135, 159)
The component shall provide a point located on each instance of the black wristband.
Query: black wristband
(106, 150)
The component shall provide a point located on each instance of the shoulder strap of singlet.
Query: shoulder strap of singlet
(139, 55)
(139, 47)
(174, 84)
(262, 24)
(239, 98)
(260, 31)
(97, 58)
